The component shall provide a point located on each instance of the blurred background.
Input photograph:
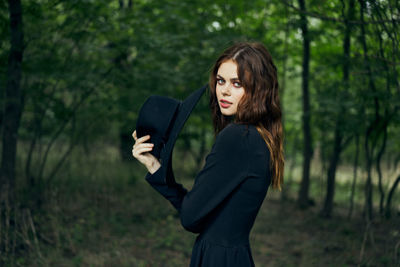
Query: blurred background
(74, 75)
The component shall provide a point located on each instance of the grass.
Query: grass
(100, 212)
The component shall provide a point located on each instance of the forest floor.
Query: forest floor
(109, 216)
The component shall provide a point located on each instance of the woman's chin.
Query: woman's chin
(225, 113)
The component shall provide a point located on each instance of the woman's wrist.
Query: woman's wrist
(154, 166)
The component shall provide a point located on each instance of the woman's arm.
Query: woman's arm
(225, 168)
(173, 192)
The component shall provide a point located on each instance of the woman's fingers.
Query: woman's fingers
(143, 149)
(134, 135)
(140, 148)
(141, 140)
(143, 155)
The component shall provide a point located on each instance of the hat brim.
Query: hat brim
(185, 109)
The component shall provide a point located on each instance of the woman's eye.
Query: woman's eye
(237, 84)
(220, 81)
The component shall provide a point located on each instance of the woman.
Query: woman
(246, 158)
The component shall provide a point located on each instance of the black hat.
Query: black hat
(163, 118)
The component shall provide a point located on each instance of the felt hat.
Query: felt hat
(163, 118)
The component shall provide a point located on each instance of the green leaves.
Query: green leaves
(97, 61)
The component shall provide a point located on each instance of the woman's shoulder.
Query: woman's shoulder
(240, 141)
(247, 133)
(234, 129)
(231, 138)
(240, 134)
(234, 134)
(241, 129)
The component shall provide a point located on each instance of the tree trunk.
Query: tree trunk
(338, 147)
(368, 184)
(353, 185)
(282, 86)
(303, 198)
(13, 101)
(389, 198)
(369, 150)
(379, 171)
(334, 160)
(13, 104)
(385, 126)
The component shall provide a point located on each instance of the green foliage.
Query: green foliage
(96, 216)
(89, 65)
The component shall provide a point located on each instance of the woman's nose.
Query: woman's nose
(226, 90)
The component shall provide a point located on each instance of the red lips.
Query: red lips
(225, 101)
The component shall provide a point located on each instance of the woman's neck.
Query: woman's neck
(230, 118)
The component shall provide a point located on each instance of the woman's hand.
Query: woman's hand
(140, 152)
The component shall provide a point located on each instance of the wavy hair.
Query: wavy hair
(260, 103)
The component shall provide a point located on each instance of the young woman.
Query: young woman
(245, 160)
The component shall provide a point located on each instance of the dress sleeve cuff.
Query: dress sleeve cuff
(174, 192)
(156, 177)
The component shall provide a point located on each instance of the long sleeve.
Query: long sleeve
(173, 191)
(225, 169)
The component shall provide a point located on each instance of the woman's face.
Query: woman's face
(229, 90)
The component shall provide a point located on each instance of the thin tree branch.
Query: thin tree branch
(61, 128)
(332, 19)
(73, 112)
(64, 157)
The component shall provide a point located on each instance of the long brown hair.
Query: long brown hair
(259, 105)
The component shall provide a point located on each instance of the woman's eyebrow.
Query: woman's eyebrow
(232, 79)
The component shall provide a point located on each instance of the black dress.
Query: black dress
(225, 198)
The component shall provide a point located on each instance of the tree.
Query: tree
(13, 101)
(339, 143)
(303, 198)
(12, 114)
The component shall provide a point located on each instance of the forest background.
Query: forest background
(74, 75)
